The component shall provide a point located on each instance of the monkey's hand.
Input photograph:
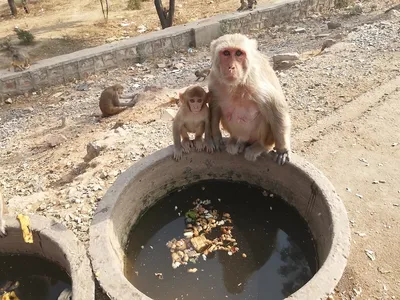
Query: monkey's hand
(178, 152)
(281, 156)
(199, 145)
(210, 146)
(186, 145)
(218, 143)
(3, 231)
(252, 152)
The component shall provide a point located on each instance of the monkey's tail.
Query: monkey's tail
(114, 110)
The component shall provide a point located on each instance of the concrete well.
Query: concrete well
(54, 242)
(148, 180)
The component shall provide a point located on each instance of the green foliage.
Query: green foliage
(25, 36)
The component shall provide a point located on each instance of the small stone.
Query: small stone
(375, 182)
(322, 35)
(199, 243)
(42, 207)
(328, 43)
(8, 101)
(161, 66)
(382, 181)
(56, 95)
(299, 30)
(168, 114)
(194, 270)
(370, 254)
(357, 9)
(359, 196)
(284, 65)
(277, 58)
(178, 66)
(92, 150)
(333, 25)
(54, 140)
(244, 255)
(159, 275)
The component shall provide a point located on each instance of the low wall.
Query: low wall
(80, 64)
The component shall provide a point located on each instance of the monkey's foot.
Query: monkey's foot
(186, 145)
(218, 143)
(281, 157)
(199, 145)
(3, 231)
(209, 146)
(235, 147)
(252, 152)
(232, 147)
(178, 154)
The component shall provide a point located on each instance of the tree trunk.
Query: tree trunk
(13, 8)
(171, 13)
(166, 16)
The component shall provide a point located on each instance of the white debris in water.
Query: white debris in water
(188, 234)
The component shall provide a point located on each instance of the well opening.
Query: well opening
(299, 183)
(54, 248)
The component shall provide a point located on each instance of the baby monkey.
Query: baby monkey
(19, 60)
(202, 74)
(193, 117)
(109, 101)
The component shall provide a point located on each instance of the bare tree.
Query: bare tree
(105, 13)
(165, 15)
(13, 8)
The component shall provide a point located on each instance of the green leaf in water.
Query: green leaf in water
(191, 214)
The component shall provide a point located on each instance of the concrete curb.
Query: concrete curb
(299, 182)
(56, 243)
(80, 64)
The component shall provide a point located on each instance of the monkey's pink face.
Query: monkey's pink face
(195, 104)
(233, 64)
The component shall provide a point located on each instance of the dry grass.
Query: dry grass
(78, 24)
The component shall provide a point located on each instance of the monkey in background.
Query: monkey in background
(19, 60)
(248, 100)
(202, 74)
(249, 5)
(3, 211)
(193, 117)
(109, 101)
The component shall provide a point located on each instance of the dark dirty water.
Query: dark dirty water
(281, 256)
(39, 278)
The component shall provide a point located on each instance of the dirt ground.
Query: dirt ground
(345, 110)
(62, 27)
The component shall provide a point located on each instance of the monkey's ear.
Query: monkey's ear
(209, 97)
(181, 98)
(254, 44)
(213, 45)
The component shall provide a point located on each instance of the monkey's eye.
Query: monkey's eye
(199, 100)
(238, 53)
(226, 53)
(192, 101)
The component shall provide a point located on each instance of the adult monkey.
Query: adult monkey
(247, 99)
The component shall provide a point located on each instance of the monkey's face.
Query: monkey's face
(195, 104)
(233, 65)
